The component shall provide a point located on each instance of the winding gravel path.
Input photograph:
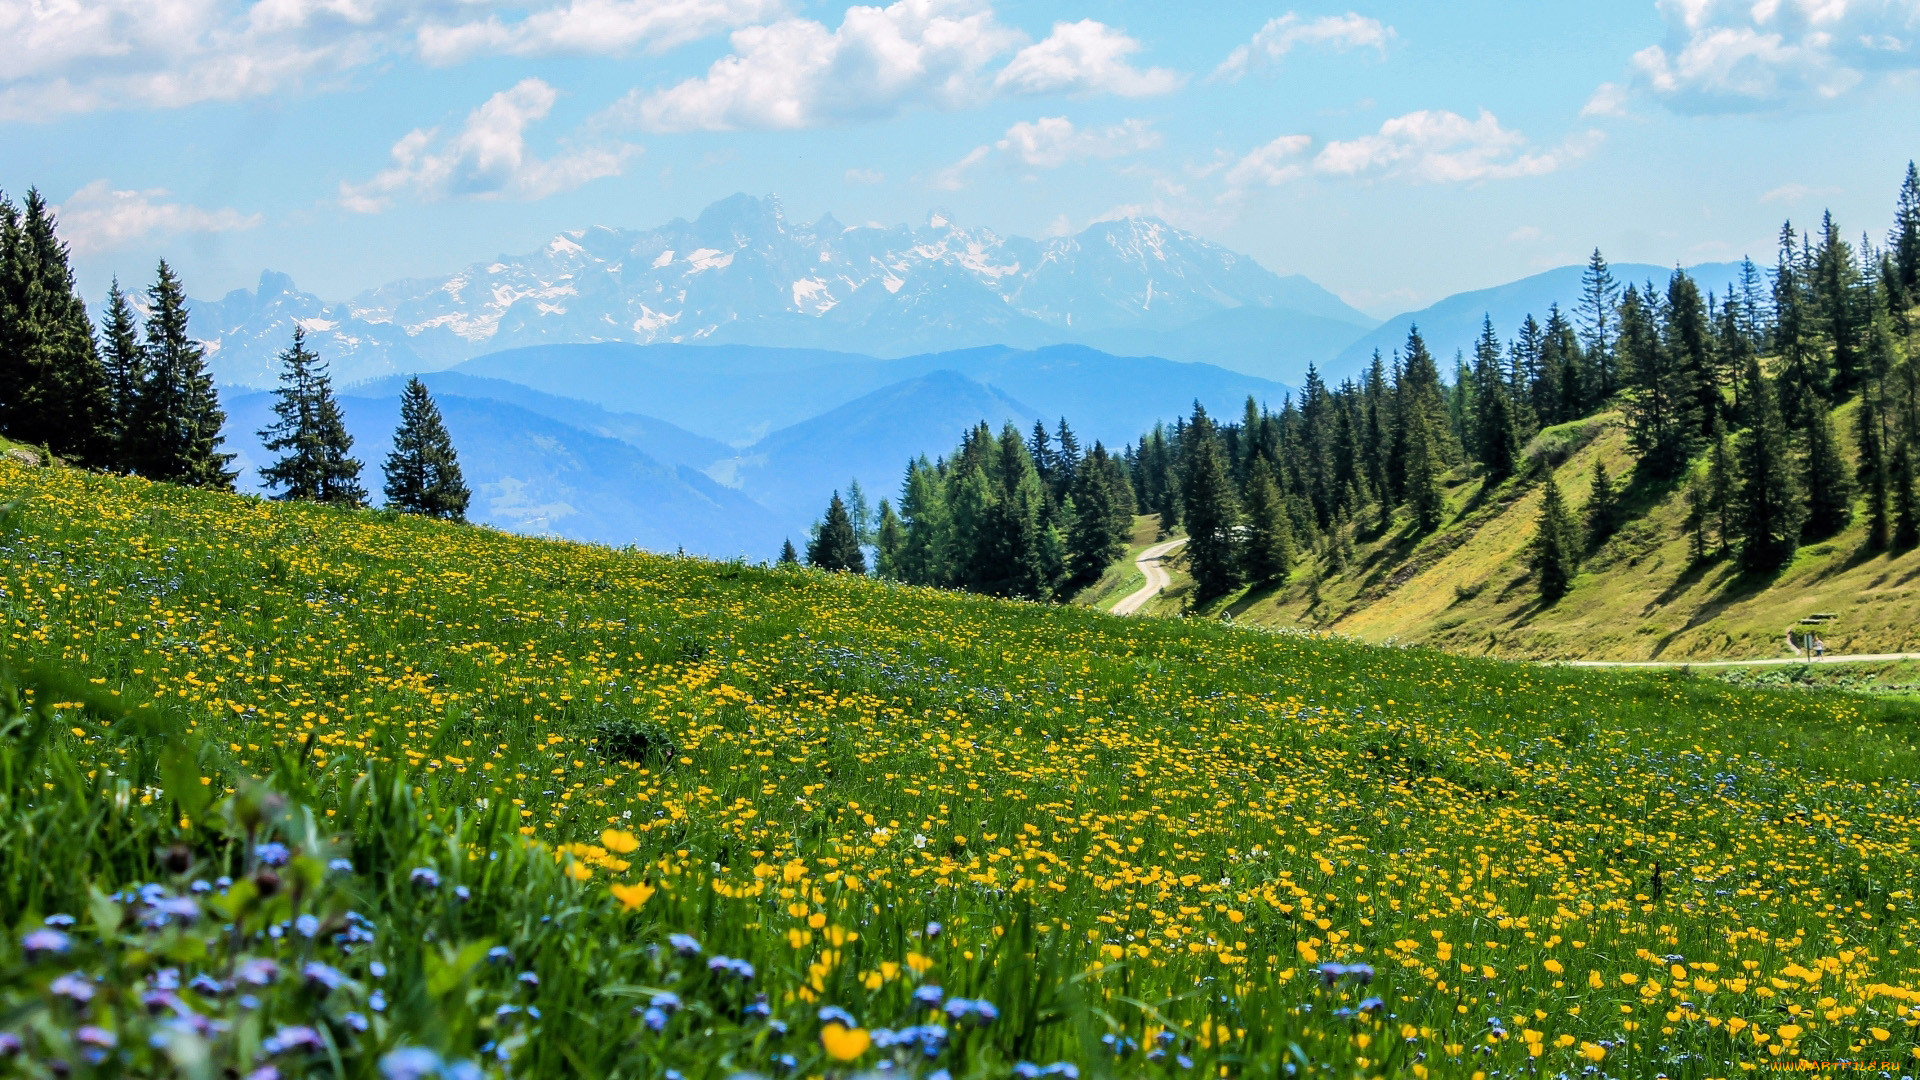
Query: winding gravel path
(1149, 562)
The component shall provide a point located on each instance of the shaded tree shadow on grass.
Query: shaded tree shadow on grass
(1737, 588)
(1691, 576)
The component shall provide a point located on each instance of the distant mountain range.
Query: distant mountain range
(743, 274)
(725, 450)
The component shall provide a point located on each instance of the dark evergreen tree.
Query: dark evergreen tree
(1603, 507)
(1825, 479)
(423, 471)
(1658, 389)
(1267, 556)
(1836, 293)
(889, 540)
(1599, 298)
(925, 559)
(53, 390)
(1687, 338)
(1903, 246)
(1906, 500)
(309, 434)
(177, 418)
(1699, 515)
(834, 546)
(1555, 542)
(1871, 469)
(1802, 374)
(1494, 441)
(1040, 449)
(1101, 522)
(125, 361)
(1206, 495)
(1066, 461)
(1374, 438)
(788, 556)
(1723, 493)
(1770, 504)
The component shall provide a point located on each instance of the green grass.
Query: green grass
(1148, 830)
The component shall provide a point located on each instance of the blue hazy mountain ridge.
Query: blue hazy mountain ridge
(1454, 323)
(740, 394)
(658, 439)
(533, 474)
(792, 471)
(741, 273)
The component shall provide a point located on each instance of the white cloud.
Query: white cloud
(1084, 57)
(99, 218)
(1795, 193)
(1269, 166)
(592, 27)
(796, 73)
(1436, 146)
(67, 56)
(1272, 42)
(954, 176)
(487, 158)
(1052, 141)
(865, 176)
(1609, 99)
(1731, 55)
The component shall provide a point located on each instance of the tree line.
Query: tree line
(1005, 515)
(1729, 395)
(134, 395)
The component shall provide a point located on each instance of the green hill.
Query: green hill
(1468, 586)
(339, 793)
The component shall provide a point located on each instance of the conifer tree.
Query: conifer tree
(1688, 342)
(1803, 376)
(1906, 501)
(1206, 494)
(923, 560)
(1824, 478)
(1699, 513)
(860, 512)
(1659, 389)
(423, 471)
(1603, 507)
(1424, 497)
(53, 390)
(1066, 461)
(1101, 521)
(1554, 543)
(1268, 553)
(888, 541)
(1599, 298)
(1871, 471)
(1903, 246)
(309, 433)
(834, 546)
(125, 361)
(177, 418)
(1837, 302)
(788, 556)
(1770, 504)
(1494, 440)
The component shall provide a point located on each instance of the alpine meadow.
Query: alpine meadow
(959, 540)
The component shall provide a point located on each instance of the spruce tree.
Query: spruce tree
(1699, 513)
(1599, 297)
(1723, 498)
(1836, 292)
(1268, 553)
(316, 462)
(888, 541)
(924, 560)
(1870, 471)
(1824, 478)
(53, 390)
(1066, 460)
(1603, 507)
(1903, 246)
(788, 556)
(1206, 494)
(1554, 543)
(834, 546)
(1906, 500)
(125, 361)
(1770, 501)
(177, 419)
(423, 471)
(1494, 440)
(1423, 471)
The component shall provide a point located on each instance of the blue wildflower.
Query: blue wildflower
(684, 944)
(45, 941)
(426, 878)
(273, 853)
(73, 986)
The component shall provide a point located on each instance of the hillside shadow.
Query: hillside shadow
(1737, 588)
(1688, 578)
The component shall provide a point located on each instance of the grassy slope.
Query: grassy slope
(1467, 587)
(1126, 826)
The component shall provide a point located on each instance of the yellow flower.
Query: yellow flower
(1879, 1034)
(579, 871)
(1552, 965)
(844, 1043)
(1789, 1032)
(631, 896)
(1594, 980)
(618, 842)
(1592, 1052)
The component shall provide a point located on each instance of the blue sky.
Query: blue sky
(1394, 152)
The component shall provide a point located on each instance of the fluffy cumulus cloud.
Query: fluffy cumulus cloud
(1084, 57)
(1731, 55)
(65, 56)
(591, 27)
(1270, 165)
(797, 73)
(1052, 141)
(487, 158)
(100, 218)
(1281, 36)
(1440, 147)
